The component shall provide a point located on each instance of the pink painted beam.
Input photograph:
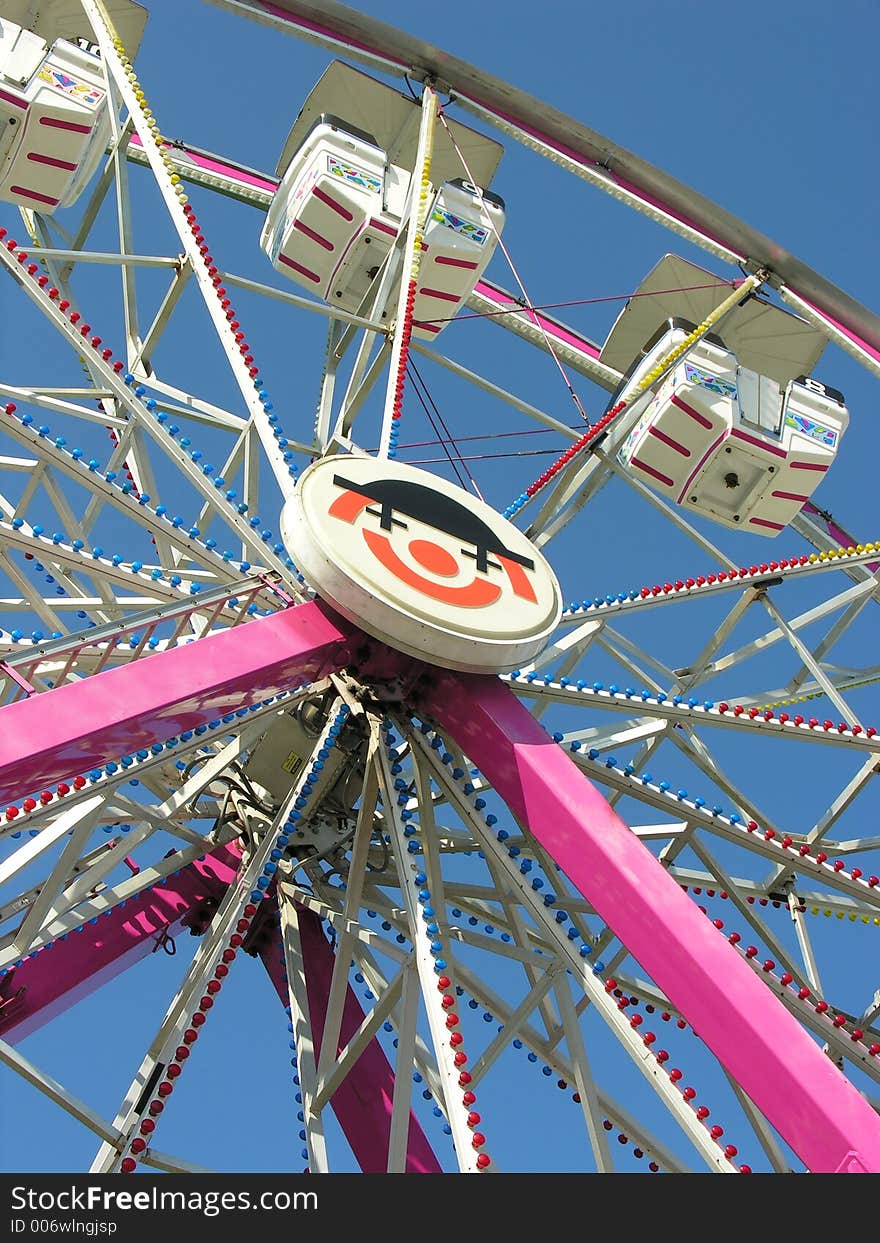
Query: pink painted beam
(61, 732)
(62, 974)
(58, 977)
(813, 1106)
(363, 1101)
(554, 328)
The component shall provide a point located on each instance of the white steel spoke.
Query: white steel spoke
(455, 1114)
(406, 1052)
(57, 1093)
(357, 873)
(196, 978)
(758, 1123)
(811, 967)
(810, 662)
(302, 1031)
(583, 1078)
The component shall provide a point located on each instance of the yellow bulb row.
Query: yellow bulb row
(149, 119)
(692, 337)
(785, 703)
(802, 699)
(831, 554)
(853, 916)
(418, 241)
(853, 550)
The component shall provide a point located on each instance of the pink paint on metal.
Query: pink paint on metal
(759, 444)
(15, 100)
(650, 470)
(651, 200)
(439, 293)
(691, 412)
(220, 167)
(287, 17)
(314, 235)
(699, 466)
(870, 350)
(668, 440)
(63, 731)
(10, 671)
(765, 522)
(52, 161)
(816, 1110)
(73, 126)
(329, 201)
(24, 193)
(551, 326)
(298, 267)
(58, 977)
(383, 227)
(364, 1099)
(455, 263)
(837, 532)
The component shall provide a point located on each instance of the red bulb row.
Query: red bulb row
(139, 1144)
(767, 714)
(804, 994)
(54, 295)
(750, 898)
(405, 338)
(225, 304)
(469, 1097)
(46, 796)
(730, 576)
(751, 952)
(649, 1039)
(574, 449)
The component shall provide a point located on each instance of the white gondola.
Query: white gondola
(342, 199)
(722, 439)
(54, 110)
(736, 431)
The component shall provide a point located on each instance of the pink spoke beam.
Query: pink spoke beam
(74, 727)
(67, 971)
(363, 1100)
(813, 1106)
(64, 972)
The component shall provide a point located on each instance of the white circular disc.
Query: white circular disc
(421, 564)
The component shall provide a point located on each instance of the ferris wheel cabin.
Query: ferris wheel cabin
(344, 194)
(54, 111)
(737, 430)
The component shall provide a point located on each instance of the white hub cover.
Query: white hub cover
(421, 564)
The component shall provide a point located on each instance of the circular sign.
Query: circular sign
(420, 564)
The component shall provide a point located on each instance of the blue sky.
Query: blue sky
(768, 109)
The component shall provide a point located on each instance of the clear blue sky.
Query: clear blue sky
(768, 109)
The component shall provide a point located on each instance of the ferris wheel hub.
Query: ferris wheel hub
(420, 564)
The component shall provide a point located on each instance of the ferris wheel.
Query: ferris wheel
(290, 693)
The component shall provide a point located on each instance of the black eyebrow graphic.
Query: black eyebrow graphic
(435, 510)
